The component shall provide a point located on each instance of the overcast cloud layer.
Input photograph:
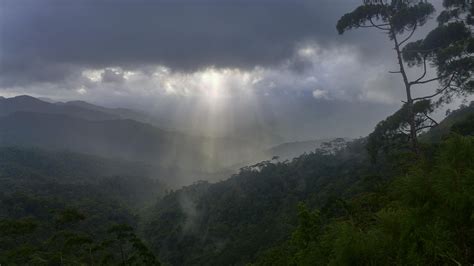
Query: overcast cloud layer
(237, 57)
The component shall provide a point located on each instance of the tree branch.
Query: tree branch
(424, 70)
(365, 26)
(438, 92)
(424, 127)
(409, 36)
(428, 80)
(431, 119)
(379, 26)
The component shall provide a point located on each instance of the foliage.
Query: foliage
(233, 221)
(450, 48)
(332, 206)
(32, 241)
(400, 14)
(465, 127)
(53, 212)
(426, 219)
(396, 211)
(459, 116)
(394, 130)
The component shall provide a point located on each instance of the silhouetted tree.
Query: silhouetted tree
(449, 48)
(396, 18)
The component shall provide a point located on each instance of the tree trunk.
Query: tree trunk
(409, 103)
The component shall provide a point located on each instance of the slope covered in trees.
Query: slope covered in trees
(326, 207)
(65, 208)
(460, 115)
(236, 219)
(421, 218)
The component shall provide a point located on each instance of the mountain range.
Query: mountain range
(78, 126)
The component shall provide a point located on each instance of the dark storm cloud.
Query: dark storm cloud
(38, 36)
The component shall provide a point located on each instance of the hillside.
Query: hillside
(24, 168)
(255, 216)
(113, 138)
(67, 167)
(290, 150)
(86, 128)
(64, 203)
(133, 135)
(436, 133)
(123, 113)
(247, 217)
(233, 220)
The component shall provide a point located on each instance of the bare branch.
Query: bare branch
(431, 119)
(424, 70)
(365, 26)
(424, 127)
(394, 72)
(428, 80)
(431, 96)
(409, 36)
(438, 92)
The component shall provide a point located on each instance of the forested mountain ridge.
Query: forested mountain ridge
(68, 166)
(290, 150)
(125, 139)
(455, 116)
(252, 217)
(78, 109)
(232, 221)
(421, 218)
(86, 128)
(64, 212)
(123, 113)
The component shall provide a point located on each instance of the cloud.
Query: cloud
(339, 71)
(182, 35)
(113, 75)
(82, 90)
(242, 57)
(320, 94)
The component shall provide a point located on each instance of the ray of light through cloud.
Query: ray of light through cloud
(247, 72)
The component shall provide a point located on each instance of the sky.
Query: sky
(213, 66)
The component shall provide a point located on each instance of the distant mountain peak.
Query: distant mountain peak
(26, 103)
(24, 98)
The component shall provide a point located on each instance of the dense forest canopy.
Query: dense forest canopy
(318, 207)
